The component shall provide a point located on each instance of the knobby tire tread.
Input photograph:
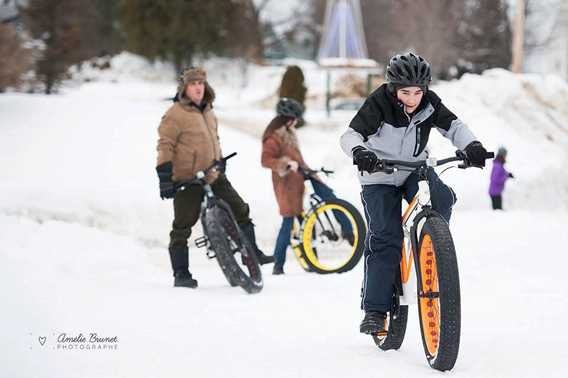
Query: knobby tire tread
(396, 331)
(225, 258)
(450, 302)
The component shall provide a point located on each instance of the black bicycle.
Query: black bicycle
(223, 237)
(435, 287)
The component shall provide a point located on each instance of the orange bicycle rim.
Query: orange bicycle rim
(429, 296)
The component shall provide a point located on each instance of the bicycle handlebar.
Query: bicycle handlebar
(390, 166)
(218, 165)
(307, 172)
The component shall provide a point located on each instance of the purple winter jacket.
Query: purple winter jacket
(498, 177)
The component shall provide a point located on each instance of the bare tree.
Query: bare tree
(448, 33)
(58, 25)
(15, 60)
(429, 28)
(484, 39)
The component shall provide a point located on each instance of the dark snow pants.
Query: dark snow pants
(497, 202)
(383, 247)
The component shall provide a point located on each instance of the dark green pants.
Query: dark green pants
(187, 206)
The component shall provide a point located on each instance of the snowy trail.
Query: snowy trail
(301, 325)
(84, 237)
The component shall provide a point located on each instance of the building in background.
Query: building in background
(343, 39)
(343, 49)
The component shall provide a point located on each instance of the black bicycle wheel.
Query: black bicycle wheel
(439, 305)
(233, 251)
(396, 326)
(327, 246)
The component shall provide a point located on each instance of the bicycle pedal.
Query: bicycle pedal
(201, 242)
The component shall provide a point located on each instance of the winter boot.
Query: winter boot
(178, 257)
(248, 230)
(184, 279)
(277, 270)
(373, 323)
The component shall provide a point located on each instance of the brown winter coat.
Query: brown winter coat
(188, 138)
(279, 147)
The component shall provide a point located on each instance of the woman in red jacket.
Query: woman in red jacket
(281, 153)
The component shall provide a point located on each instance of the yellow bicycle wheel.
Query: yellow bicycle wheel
(333, 237)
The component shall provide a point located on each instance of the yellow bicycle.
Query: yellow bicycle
(330, 236)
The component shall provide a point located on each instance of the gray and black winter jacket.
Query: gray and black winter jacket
(382, 126)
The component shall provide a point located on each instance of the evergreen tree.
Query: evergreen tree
(177, 30)
(100, 34)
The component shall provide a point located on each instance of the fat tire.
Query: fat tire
(213, 222)
(362, 232)
(396, 331)
(449, 289)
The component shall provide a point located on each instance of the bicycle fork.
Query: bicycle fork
(203, 241)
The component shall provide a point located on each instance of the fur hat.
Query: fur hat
(194, 74)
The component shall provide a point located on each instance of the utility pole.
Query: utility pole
(518, 37)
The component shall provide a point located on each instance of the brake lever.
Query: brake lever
(382, 167)
(326, 172)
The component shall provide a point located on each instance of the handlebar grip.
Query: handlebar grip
(489, 155)
(229, 156)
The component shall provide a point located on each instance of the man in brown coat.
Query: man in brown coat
(189, 142)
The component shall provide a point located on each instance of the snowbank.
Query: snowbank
(84, 236)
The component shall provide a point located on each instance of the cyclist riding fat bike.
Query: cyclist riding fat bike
(394, 123)
(281, 153)
(189, 142)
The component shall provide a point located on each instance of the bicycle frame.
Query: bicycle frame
(295, 237)
(413, 219)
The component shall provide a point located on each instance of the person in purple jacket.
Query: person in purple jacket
(499, 175)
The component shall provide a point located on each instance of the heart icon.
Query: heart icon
(42, 340)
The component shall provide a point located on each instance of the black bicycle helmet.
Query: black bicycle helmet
(289, 107)
(408, 70)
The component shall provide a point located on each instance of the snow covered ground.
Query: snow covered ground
(84, 235)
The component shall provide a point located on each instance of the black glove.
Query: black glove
(167, 189)
(511, 175)
(476, 154)
(364, 159)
